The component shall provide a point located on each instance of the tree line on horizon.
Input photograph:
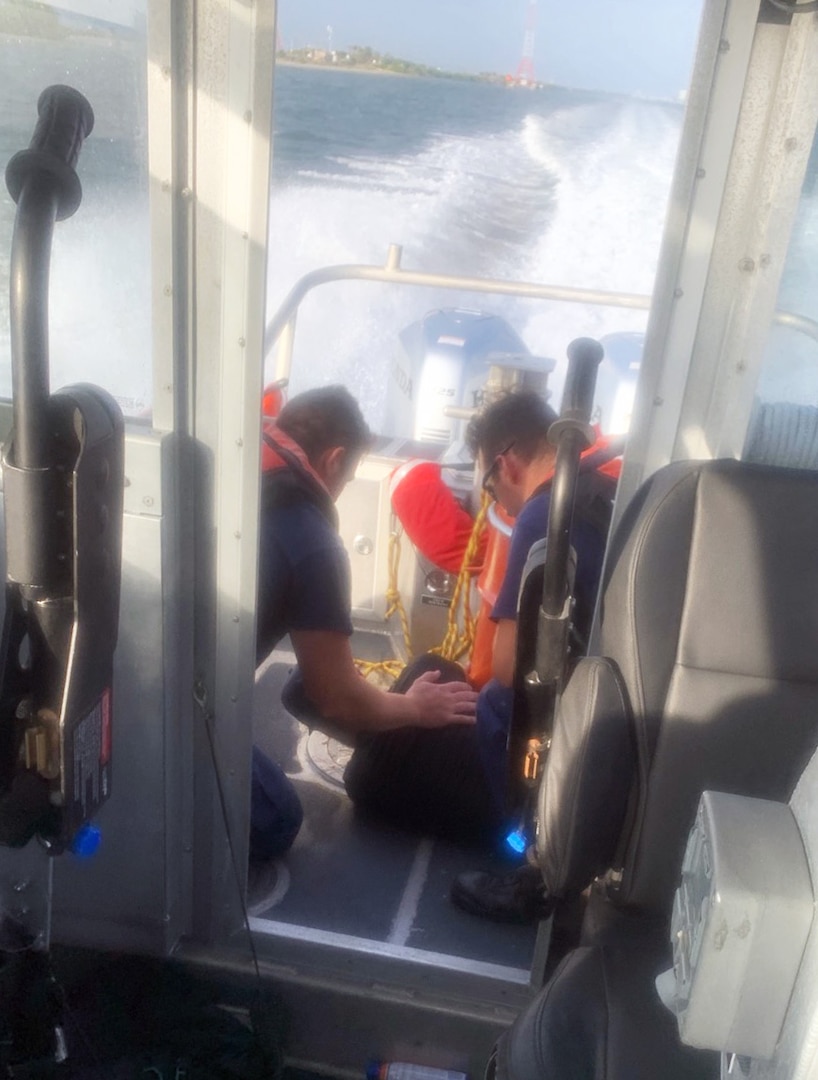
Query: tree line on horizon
(365, 57)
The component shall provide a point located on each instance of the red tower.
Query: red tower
(525, 69)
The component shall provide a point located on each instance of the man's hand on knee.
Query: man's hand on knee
(442, 703)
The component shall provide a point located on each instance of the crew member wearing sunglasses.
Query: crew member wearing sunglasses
(509, 440)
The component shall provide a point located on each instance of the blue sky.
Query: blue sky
(632, 46)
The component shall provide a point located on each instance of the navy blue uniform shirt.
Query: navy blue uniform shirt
(304, 576)
(530, 526)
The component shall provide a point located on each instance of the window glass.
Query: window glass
(100, 286)
(784, 427)
(553, 168)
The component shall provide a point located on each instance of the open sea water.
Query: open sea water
(99, 297)
(553, 186)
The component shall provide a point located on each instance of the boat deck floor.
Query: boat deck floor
(363, 879)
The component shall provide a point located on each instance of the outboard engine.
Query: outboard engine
(447, 362)
(616, 381)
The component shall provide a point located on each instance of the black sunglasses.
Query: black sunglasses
(487, 483)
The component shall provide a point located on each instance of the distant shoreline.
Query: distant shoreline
(360, 69)
(355, 69)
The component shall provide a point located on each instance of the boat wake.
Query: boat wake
(568, 195)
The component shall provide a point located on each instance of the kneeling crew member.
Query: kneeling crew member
(310, 452)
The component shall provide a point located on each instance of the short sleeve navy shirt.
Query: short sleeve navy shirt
(304, 575)
(531, 525)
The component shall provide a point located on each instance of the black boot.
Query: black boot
(516, 897)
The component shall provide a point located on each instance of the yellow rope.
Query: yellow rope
(456, 641)
(391, 668)
(459, 641)
(393, 599)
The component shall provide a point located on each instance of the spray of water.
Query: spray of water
(572, 196)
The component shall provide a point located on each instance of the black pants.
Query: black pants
(429, 780)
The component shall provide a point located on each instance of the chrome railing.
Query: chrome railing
(280, 331)
(281, 328)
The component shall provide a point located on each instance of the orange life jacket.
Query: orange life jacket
(440, 529)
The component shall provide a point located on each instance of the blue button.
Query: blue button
(86, 841)
(516, 840)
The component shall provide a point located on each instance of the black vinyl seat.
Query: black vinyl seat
(705, 676)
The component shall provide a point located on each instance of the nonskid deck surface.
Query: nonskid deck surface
(365, 879)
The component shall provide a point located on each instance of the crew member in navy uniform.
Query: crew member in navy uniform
(310, 452)
(419, 760)
(417, 779)
(509, 440)
(403, 775)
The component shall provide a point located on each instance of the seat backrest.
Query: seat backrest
(710, 616)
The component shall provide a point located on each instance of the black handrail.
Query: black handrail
(571, 433)
(540, 673)
(63, 472)
(43, 183)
